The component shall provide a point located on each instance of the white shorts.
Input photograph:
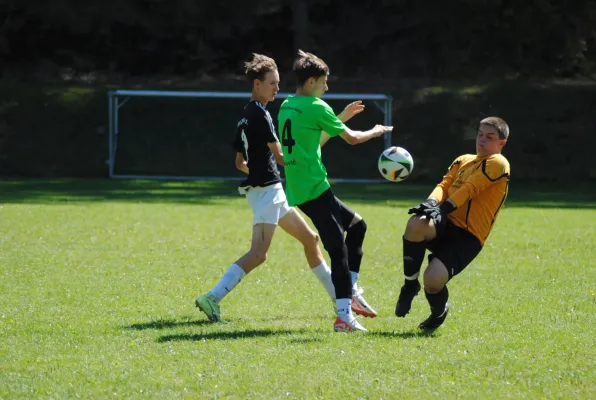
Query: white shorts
(268, 204)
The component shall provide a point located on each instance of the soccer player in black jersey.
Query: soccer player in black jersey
(257, 154)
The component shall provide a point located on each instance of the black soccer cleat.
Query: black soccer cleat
(406, 295)
(434, 321)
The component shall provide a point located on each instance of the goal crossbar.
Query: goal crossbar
(118, 98)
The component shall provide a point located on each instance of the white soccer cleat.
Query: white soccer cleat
(360, 306)
(341, 325)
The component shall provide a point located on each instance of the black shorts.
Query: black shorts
(331, 217)
(455, 247)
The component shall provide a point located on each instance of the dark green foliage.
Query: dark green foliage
(408, 38)
(491, 53)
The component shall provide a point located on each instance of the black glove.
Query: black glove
(426, 204)
(438, 214)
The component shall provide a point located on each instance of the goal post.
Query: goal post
(118, 99)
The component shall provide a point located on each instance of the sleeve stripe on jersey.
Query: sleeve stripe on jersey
(468, 212)
(505, 175)
(268, 117)
(502, 201)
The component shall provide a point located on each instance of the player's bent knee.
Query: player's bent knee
(311, 244)
(315, 239)
(309, 238)
(262, 258)
(416, 224)
(356, 233)
(259, 257)
(433, 287)
(433, 283)
(360, 227)
(435, 277)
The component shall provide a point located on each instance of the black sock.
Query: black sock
(354, 239)
(438, 300)
(413, 256)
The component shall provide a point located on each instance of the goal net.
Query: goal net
(187, 135)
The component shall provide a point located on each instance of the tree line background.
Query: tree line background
(447, 64)
(396, 37)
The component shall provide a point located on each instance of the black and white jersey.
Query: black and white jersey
(254, 131)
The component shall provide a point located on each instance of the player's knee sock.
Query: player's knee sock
(344, 308)
(437, 301)
(354, 276)
(354, 239)
(340, 273)
(228, 281)
(413, 253)
(323, 274)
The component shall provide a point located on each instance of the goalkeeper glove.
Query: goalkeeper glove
(426, 204)
(438, 215)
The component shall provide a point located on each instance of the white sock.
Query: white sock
(354, 281)
(228, 281)
(344, 308)
(323, 274)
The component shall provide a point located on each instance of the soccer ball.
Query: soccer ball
(395, 164)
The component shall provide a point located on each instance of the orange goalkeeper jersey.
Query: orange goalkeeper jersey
(478, 186)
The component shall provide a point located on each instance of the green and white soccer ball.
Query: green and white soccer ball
(396, 164)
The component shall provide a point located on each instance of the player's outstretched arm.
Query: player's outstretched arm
(350, 111)
(358, 137)
(441, 190)
(275, 148)
(241, 163)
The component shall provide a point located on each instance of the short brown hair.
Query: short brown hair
(258, 67)
(307, 65)
(499, 124)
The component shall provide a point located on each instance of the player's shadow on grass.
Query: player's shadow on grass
(166, 324)
(232, 335)
(61, 191)
(404, 334)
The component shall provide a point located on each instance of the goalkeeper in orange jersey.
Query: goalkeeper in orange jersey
(455, 221)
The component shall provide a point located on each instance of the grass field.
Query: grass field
(98, 279)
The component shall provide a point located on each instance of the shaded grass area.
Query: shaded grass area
(58, 191)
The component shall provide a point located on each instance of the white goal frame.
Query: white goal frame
(118, 98)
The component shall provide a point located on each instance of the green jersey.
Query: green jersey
(301, 120)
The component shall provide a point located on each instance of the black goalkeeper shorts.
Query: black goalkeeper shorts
(455, 247)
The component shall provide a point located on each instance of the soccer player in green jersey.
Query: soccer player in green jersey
(257, 153)
(307, 123)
